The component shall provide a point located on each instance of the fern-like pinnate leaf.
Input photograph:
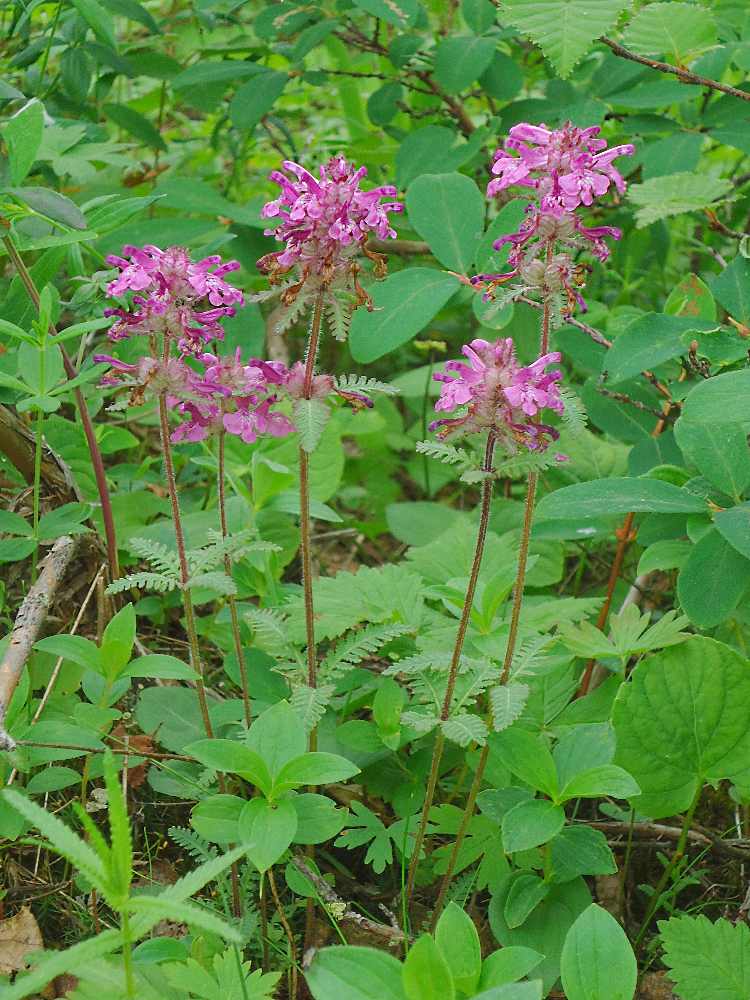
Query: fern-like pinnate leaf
(157, 555)
(195, 845)
(339, 308)
(574, 416)
(508, 702)
(465, 729)
(310, 417)
(445, 453)
(214, 580)
(271, 632)
(363, 383)
(518, 466)
(159, 582)
(420, 722)
(357, 646)
(310, 704)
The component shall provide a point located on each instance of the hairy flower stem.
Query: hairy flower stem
(437, 752)
(195, 656)
(523, 557)
(304, 509)
(230, 599)
(88, 428)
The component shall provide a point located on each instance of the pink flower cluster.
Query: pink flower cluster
(499, 395)
(323, 221)
(565, 168)
(176, 297)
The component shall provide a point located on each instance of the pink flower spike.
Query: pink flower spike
(324, 221)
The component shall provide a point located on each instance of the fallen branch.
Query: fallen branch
(18, 445)
(341, 911)
(701, 838)
(30, 618)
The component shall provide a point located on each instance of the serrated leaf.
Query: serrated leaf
(661, 197)
(707, 961)
(508, 702)
(465, 729)
(563, 29)
(310, 419)
(682, 719)
(679, 31)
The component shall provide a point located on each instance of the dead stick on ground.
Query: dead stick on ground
(30, 618)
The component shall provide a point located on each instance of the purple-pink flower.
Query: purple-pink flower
(563, 169)
(499, 395)
(567, 167)
(176, 297)
(324, 220)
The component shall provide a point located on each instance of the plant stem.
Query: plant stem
(48, 46)
(289, 935)
(437, 752)
(661, 885)
(195, 656)
(230, 600)
(263, 907)
(523, 555)
(127, 956)
(38, 445)
(304, 509)
(88, 428)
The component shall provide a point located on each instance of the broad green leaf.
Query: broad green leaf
(160, 665)
(734, 525)
(266, 830)
(233, 758)
(51, 205)
(719, 452)
(732, 289)
(404, 304)
(134, 12)
(647, 342)
(691, 297)
(457, 938)
(52, 779)
(426, 975)
(527, 757)
(545, 930)
(314, 769)
(530, 824)
(513, 991)
(526, 893)
(679, 31)
(713, 579)
(277, 736)
(98, 20)
(216, 818)
(355, 973)
(15, 549)
(564, 29)
(707, 961)
(597, 961)
(661, 197)
(667, 554)
(478, 14)
(318, 818)
(461, 59)
(683, 718)
(605, 779)
(603, 497)
(433, 149)
(117, 641)
(447, 210)
(255, 98)
(135, 124)
(507, 965)
(723, 399)
(580, 850)
(23, 136)
(75, 648)
(401, 13)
